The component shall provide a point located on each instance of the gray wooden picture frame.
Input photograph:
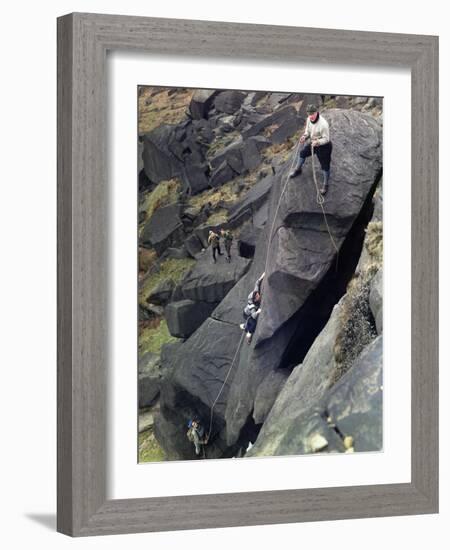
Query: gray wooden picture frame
(83, 41)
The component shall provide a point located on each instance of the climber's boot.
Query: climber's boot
(326, 179)
(297, 168)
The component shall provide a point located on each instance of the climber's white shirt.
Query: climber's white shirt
(319, 130)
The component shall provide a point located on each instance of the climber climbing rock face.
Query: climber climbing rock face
(252, 310)
(316, 138)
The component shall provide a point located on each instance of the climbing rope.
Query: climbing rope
(320, 201)
(223, 385)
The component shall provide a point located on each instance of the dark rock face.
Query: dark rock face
(221, 174)
(184, 317)
(252, 200)
(162, 293)
(149, 379)
(193, 245)
(353, 407)
(301, 251)
(209, 282)
(229, 101)
(196, 178)
(164, 228)
(201, 103)
(301, 286)
(194, 374)
(159, 161)
(279, 117)
(294, 286)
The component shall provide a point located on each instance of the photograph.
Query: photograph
(260, 261)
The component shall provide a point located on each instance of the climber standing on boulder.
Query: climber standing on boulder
(227, 237)
(317, 137)
(214, 241)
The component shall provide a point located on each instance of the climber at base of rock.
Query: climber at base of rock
(214, 241)
(252, 310)
(196, 435)
(317, 135)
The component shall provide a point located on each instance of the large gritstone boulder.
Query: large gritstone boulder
(201, 103)
(195, 375)
(229, 101)
(305, 419)
(164, 228)
(210, 282)
(160, 163)
(251, 202)
(149, 379)
(185, 316)
(301, 250)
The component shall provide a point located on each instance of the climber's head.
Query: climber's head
(312, 112)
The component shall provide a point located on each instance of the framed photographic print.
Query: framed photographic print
(247, 274)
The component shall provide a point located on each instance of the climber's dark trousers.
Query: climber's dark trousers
(214, 250)
(323, 153)
(250, 325)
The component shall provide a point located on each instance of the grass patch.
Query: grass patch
(284, 149)
(357, 324)
(356, 319)
(161, 108)
(218, 218)
(153, 335)
(226, 192)
(149, 449)
(221, 142)
(374, 241)
(171, 269)
(164, 193)
(147, 258)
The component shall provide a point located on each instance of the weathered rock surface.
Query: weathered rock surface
(252, 201)
(185, 316)
(376, 300)
(211, 282)
(159, 161)
(164, 228)
(229, 101)
(301, 251)
(194, 374)
(201, 103)
(149, 379)
(301, 286)
(352, 407)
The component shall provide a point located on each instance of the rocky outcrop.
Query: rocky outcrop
(210, 282)
(149, 379)
(185, 316)
(194, 374)
(321, 315)
(201, 103)
(303, 282)
(301, 286)
(164, 228)
(347, 417)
